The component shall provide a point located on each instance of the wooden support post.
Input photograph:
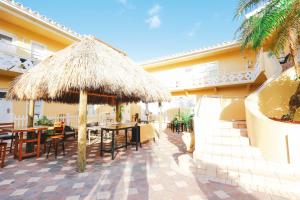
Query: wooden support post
(118, 110)
(30, 121)
(160, 119)
(30, 116)
(82, 119)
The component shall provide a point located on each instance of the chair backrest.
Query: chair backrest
(6, 126)
(59, 128)
(68, 128)
(92, 124)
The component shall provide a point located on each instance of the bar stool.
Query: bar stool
(3, 147)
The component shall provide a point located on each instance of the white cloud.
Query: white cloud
(153, 22)
(192, 33)
(123, 2)
(154, 10)
(194, 30)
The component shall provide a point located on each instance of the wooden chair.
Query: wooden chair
(69, 132)
(57, 137)
(2, 153)
(6, 133)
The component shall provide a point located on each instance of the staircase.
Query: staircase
(226, 156)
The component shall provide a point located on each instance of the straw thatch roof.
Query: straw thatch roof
(106, 74)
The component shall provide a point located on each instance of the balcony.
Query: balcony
(212, 78)
(18, 59)
(215, 80)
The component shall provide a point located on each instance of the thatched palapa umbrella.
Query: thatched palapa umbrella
(87, 72)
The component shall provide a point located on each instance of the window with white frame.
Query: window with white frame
(38, 51)
(6, 42)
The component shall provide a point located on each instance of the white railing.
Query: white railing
(220, 78)
(20, 121)
(17, 58)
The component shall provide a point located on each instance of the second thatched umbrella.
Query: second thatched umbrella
(87, 72)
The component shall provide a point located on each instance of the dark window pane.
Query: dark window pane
(5, 38)
(2, 94)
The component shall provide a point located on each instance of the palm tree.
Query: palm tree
(274, 25)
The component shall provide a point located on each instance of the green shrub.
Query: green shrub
(44, 121)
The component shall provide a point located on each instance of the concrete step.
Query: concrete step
(253, 166)
(230, 151)
(228, 132)
(226, 156)
(227, 140)
(243, 172)
(231, 124)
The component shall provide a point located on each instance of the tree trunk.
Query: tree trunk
(293, 45)
(82, 118)
(294, 102)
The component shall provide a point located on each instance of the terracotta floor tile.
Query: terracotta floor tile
(158, 171)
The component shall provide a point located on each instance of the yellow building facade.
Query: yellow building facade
(26, 37)
(218, 77)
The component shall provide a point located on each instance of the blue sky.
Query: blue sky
(146, 29)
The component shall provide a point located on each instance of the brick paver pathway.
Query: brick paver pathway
(158, 171)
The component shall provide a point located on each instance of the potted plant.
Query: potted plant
(175, 122)
(188, 136)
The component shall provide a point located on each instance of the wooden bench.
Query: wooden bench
(6, 133)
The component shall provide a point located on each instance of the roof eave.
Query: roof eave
(49, 24)
(189, 56)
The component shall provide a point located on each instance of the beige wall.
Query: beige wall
(277, 141)
(233, 60)
(4, 81)
(19, 107)
(232, 109)
(135, 108)
(54, 109)
(274, 99)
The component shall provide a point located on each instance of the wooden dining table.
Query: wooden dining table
(20, 140)
(113, 130)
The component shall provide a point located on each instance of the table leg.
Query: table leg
(113, 145)
(16, 145)
(126, 138)
(89, 136)
(38, 148)
(137, 139)
(20, 146)
(101, 144)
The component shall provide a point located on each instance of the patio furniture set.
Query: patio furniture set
(113, 136)
(33, 138)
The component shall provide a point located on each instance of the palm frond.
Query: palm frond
(276, 15)
(245, 6)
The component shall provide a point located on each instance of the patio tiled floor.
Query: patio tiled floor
(154, 172)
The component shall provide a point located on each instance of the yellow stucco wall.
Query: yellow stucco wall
(230, 60)
(231, 99)
(54, 109)
(233, 60)
(24, 37)
(277, 141)
(19, 107)
(274, 99)
(4, 81)
(25, 32)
